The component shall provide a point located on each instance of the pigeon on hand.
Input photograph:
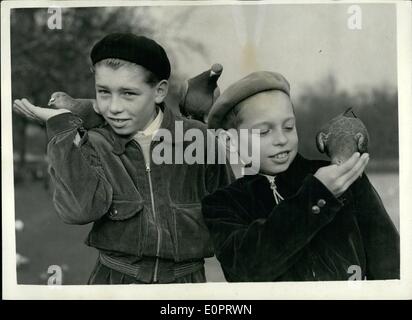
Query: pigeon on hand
(199, 93)
(84, 108)
(342, 136)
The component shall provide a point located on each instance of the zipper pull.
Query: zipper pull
(276, 194)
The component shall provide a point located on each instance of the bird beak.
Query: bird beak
(51, 102)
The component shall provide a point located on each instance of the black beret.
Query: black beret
(133, 48)
(244, 88)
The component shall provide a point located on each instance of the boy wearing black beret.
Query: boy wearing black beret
(296, 220)
(147, 220)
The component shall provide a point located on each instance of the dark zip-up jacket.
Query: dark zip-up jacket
(101, 177)
(310, 235)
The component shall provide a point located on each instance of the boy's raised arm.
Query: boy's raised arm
(263, 249)
(82, 193)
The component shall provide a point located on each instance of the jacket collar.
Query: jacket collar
(119, 142)
(289, 181)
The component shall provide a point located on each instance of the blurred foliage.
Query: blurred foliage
(377, 108)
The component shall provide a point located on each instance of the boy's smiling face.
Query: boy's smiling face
(272, 113)
(124, 98)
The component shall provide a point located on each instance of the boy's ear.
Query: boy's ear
(321, 140)
(161, 91)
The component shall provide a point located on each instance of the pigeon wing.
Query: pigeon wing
(85, 109)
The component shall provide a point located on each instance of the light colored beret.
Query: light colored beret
(246, 87)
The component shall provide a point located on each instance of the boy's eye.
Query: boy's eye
(289, 126)
(129, 94)
(102, 91)
(263, 132)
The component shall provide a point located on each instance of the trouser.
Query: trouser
(103, 274)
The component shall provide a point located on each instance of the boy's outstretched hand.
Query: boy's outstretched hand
(30, 111)
(338, 178)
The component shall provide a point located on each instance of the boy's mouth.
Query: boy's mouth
(280, 157)
(118, 122)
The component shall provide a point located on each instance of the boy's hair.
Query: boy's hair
(150, 78)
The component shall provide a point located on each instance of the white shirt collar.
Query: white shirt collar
(153, 126)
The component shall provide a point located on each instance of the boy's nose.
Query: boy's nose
(279, 138)
(115, 105)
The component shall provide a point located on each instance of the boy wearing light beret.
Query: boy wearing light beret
(297, 219)
(147, 221)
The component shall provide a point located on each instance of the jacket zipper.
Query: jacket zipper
(157, 226)
(148, 171)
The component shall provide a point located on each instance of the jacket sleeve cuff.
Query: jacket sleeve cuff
(321, 202)
(61, 123)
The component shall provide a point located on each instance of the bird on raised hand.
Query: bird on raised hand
(200, 92)
(84, 108)
(342, 136)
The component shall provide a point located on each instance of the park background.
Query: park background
(330, 67)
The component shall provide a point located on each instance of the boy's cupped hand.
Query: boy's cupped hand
(338, 178)
(25, 108)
